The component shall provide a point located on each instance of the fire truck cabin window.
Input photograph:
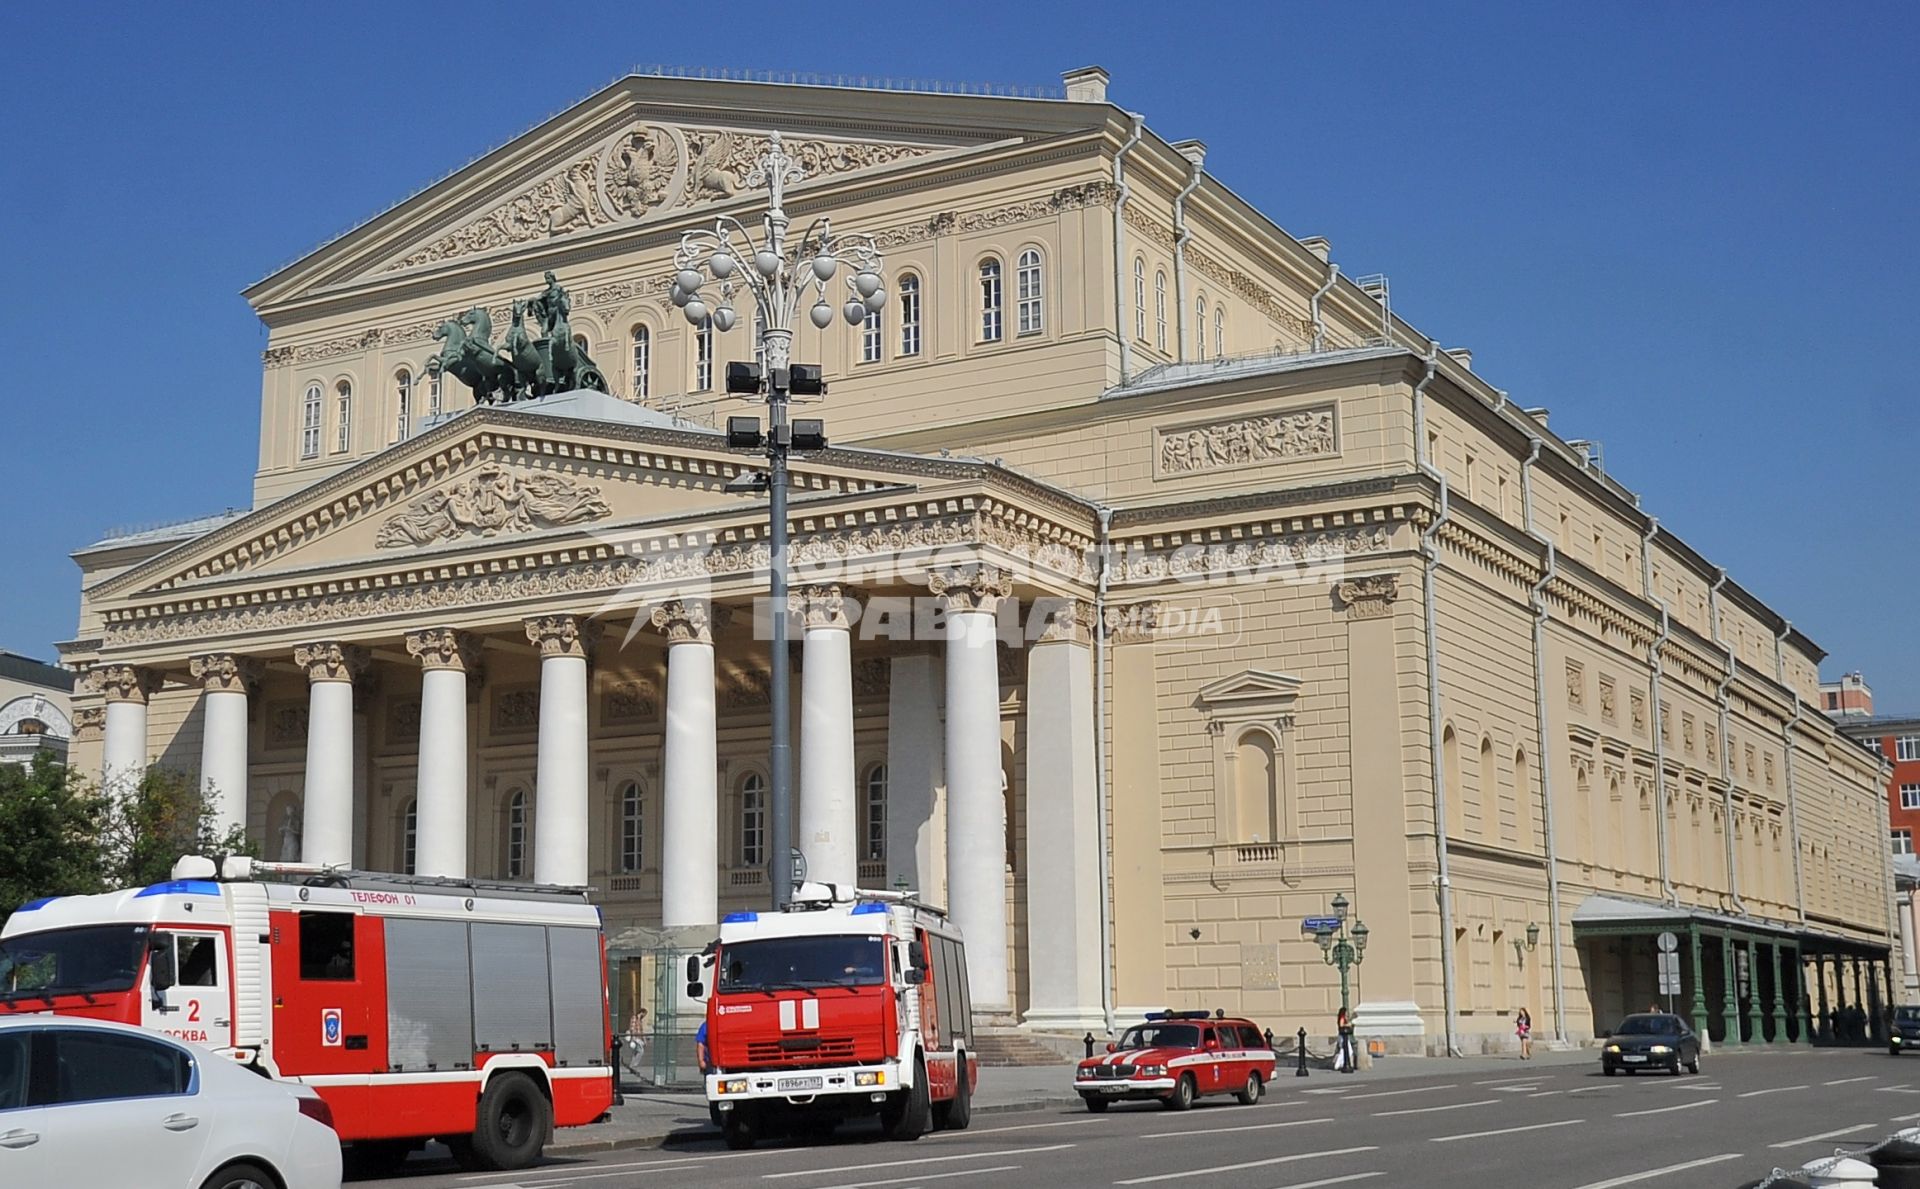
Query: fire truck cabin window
(196, 961)
(799, 962)
(90, 958)
(326, 946)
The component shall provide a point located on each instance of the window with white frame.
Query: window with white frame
(870, 337)
(1220, 332)
(642, 361)
(1139, 297)
(1200, 326)
(753, 820)
(992, 295)
(310, 423)
(632, 838)
(1910, 796)
(402, 404)
(1906, 747)
(433, 394)
(873, 797)
(1902, 842)
(1160, 309)
(516, 835)
(409, 837)
(703, 356)
(1028, 289)
(342, 416)
(909, 290)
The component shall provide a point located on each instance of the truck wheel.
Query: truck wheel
(1095, 1105)
(960, 1110)
(910, 1115)
(377, 1158)
(1182, 1096)
(513, 1122)
(739, 1129)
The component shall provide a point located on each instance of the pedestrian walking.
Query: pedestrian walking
(1523, 1028)
(1343, 1059)
(634, 1054)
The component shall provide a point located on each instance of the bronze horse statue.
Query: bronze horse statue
(472, 359)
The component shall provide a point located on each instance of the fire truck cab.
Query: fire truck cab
(847, 1003)
(418, 1008)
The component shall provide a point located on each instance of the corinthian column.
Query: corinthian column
(326, 821)
(976, 813)
(690, 764)
(124, 758)
(224, 677)
(560, 781)
(440, 793)
(829, 822)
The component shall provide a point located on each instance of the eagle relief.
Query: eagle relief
(1253, 441)
(492, 502)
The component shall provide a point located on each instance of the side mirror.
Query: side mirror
(695, 990)
(1112, 1048)
(1212, 1044)
(693, 968)
(915, 976)
(160, 964)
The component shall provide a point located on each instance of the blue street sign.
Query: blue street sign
(1315, 924)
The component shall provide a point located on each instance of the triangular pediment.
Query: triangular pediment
(1250, 687)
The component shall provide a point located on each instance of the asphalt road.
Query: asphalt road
(1566, 1128)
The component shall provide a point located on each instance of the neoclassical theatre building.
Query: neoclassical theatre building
(1157, 585)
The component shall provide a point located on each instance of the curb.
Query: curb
(690, 1134)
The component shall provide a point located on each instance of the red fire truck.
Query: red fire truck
(418, 1008)
(847, 1003)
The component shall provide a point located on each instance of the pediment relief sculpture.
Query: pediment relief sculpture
(642, 170)
(492, 502)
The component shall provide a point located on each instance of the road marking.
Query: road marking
(1516, 1089)
(1902, 1089)
(1590, 1090)
(1771, 1090)
(674, 1164)
(1352, 1176)
(919, 1178)
(1202, 1172)
(1693, 1085)
(1807, 1139)
(1499, 1081)
(1546, 1093)
(1428, 1110)
(1661, 1110)
(1903, 1118)
(1846, 1081)
(1651, 1173)
(1224, 1130)
(1393, 1093)
(827, 1172)
(1038, 1126)
(1329, 1090)
(1447, 1139)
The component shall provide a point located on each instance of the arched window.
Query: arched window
(909, 288)
(642, 361)
(632, 839)
(1220, 332)
(1028, 286)
(871, 333)
(753, 820)
(1200, 327)
(342, 416)
(409, 836)
(1256, 788)
(1160, 309)
(1450, 766)
(1139, 297)
(433, 394)
(310, 423)
(516, 835)
(1486, 790)
(873, 804)
(402, 404)
(1523, 797)
(580, 341)
(703, 356)
(992, 295)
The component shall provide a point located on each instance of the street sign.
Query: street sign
(1668, 943)
(1316, 924)
(1669, 973)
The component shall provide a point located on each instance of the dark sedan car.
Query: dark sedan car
(1904, 1032)
(1651, 1040)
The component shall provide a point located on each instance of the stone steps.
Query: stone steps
(1006, 1048)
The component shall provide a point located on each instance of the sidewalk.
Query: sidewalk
(660, 1117)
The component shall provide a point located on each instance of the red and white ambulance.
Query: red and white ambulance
(847, 1003)
(418, 1008)
(1176, 1057)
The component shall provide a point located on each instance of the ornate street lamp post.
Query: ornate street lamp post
(777, 273)
(1343, 948)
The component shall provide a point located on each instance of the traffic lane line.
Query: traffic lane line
(1848, 1081)
(1324, 1181)
(493, 1180)
(1448, 1139)
(1397, 1093)
(1428, 1110)
(828, 1172)
(1772, 1090)
(1662, 1110)
(1246, 1164)
(1807, 1139)
(1650, 1174)
(1224, 1130)
(922, 1178)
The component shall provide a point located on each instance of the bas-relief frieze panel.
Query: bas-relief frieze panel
(286, 723)
(1247, 441)
(516, 709)
(629, 701)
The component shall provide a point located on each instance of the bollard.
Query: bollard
(1301, 1071)
(1088, 1041)
(613, 1059)
(1838, 1172)
(1898, 1160)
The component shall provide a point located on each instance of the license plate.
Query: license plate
(798, 1084)
(1633, 1058)
(1113, 1089)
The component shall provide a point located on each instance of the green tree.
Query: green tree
(50, 833)
(156, 821)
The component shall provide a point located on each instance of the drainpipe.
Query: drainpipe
(1787, 736)
(1654, 659)
(1100, 768)
(1313, 304)
(1726, 748)
(1182, 234)
(1430, 550)
(1544, 758)
(1120, 247)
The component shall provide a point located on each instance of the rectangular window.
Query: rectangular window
(326, 946)
(1910, 796)
(703, 357)
(870, 337)
(990, 302)
(343, 420)
(310, 424)
(909, 315)
(1903, 842)
(1907, 747)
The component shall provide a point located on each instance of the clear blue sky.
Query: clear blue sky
(1688, 228)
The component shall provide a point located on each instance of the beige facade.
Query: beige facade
(1339, 616)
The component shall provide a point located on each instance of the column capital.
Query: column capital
(1064, 621)
(822, 605)
(445, 648)
(331, 660)
(123, 683)
(563, 635)
(977, 586)
(88, 723)
(225, 672)
(688, 621)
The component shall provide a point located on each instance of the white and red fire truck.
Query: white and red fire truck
(847, 1003)
(418, 1008)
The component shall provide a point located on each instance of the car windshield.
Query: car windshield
(89, 958)
(1648, 1026)
(1907, 1014)
(1161, 1036)
(796, 962)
